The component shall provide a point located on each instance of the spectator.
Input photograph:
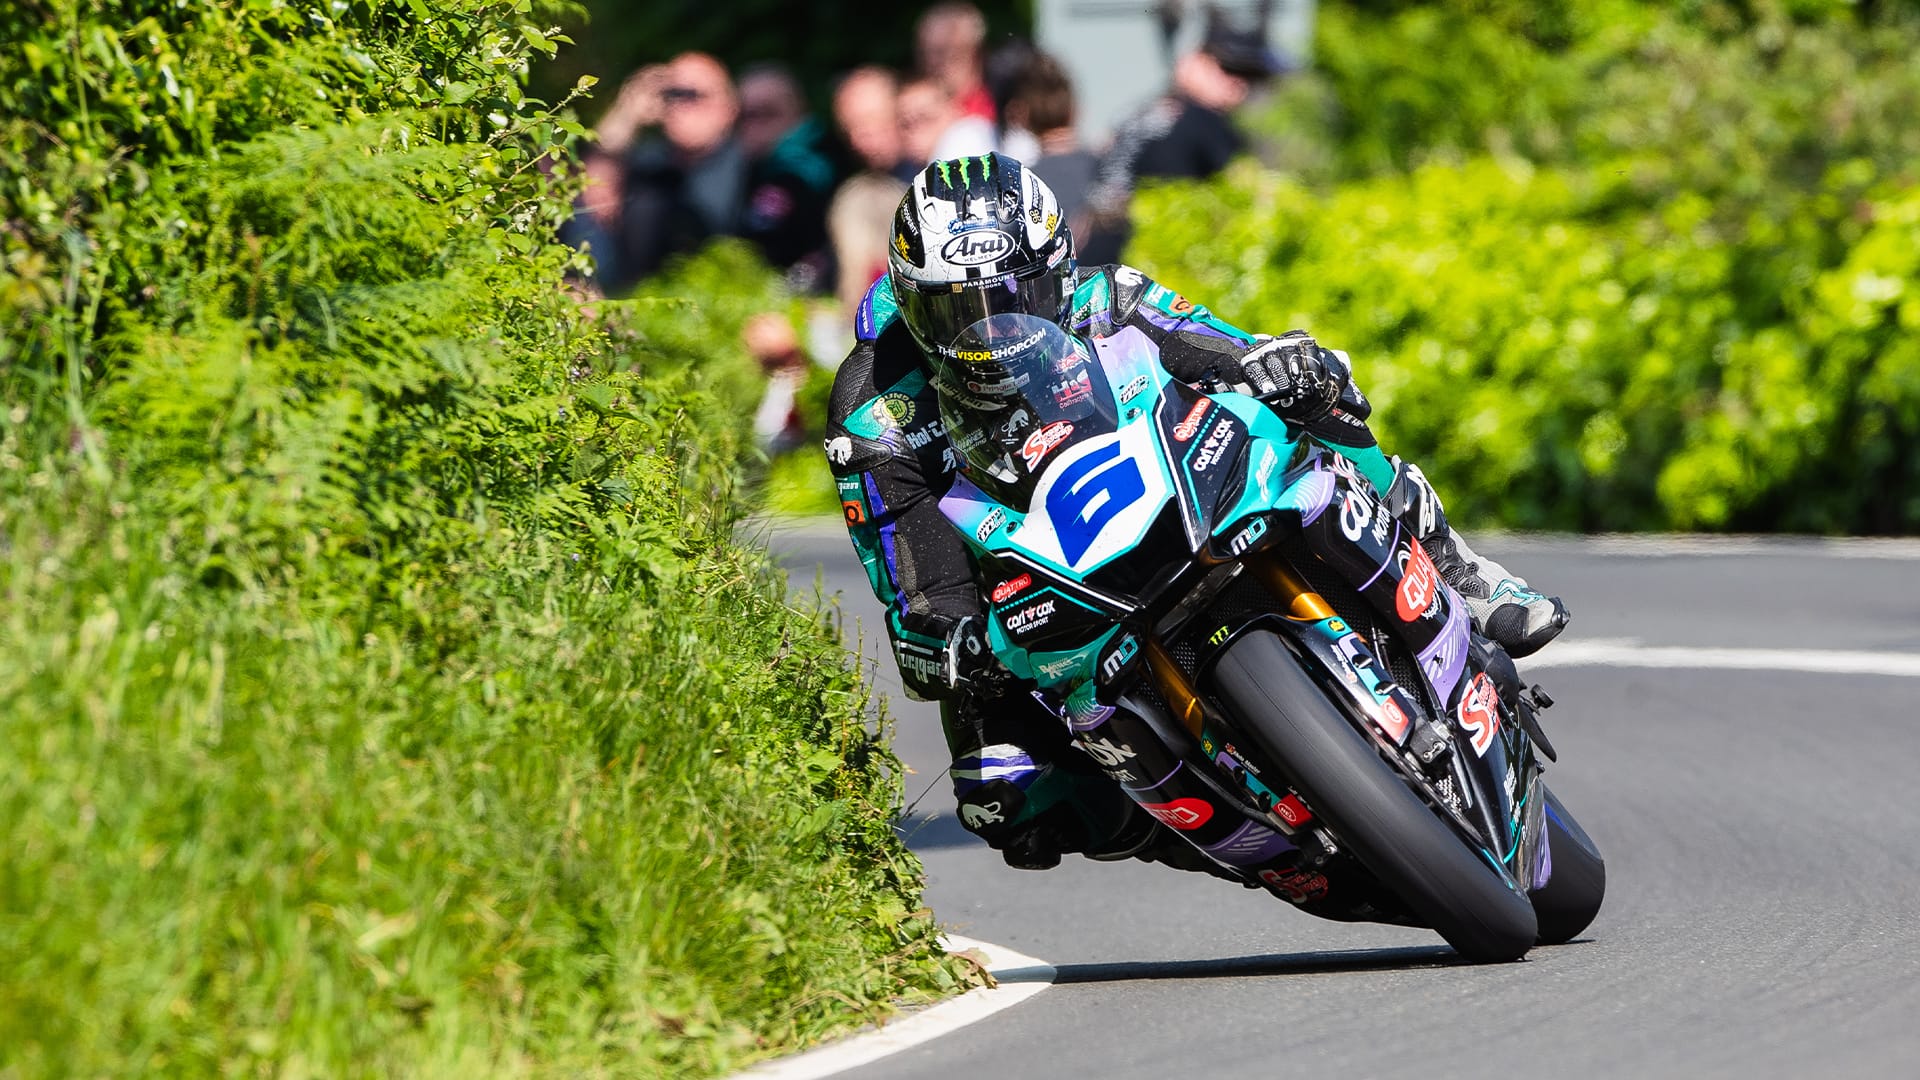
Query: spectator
(1185, 134)
(666, 174)
(933, 128)
(947, 44)
(1003, 69)
(866, 108)
(1041, 102)
(862, 208)
(789, 175)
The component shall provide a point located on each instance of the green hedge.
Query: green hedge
(380, 688)
(1644, 272)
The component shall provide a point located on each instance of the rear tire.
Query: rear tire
(1368, 805)
(1570, 899)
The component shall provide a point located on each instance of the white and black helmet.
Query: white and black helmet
(976, 237)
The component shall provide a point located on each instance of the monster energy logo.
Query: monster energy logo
(966, 165)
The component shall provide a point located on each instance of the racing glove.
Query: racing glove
(970, 662)
(1293, 374)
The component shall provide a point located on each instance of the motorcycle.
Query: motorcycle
(1233, 626)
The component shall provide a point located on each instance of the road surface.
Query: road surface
(1761, 829)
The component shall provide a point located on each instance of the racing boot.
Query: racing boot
(1504, 607)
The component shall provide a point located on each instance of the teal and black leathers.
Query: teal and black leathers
(890, 457)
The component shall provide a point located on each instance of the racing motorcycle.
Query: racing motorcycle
(1229, 621)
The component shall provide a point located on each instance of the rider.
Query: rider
(980, 236)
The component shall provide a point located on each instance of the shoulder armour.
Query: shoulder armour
(877, 309)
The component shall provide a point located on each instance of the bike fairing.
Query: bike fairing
(1028, 546)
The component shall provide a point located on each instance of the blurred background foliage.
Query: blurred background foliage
(1602, 265)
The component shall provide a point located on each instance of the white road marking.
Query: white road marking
(1019, 977)
(1656, 545)
(1629, 652)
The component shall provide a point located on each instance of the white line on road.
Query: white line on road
(1628, 652)
(1019, 978)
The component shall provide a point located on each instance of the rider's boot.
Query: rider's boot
(1505, 608)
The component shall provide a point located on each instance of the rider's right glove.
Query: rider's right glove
(971, 665)
(1293, 374)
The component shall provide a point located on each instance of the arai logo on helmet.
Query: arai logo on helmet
(976, 247)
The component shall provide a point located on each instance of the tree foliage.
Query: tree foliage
(380, 687)
(1604, 265)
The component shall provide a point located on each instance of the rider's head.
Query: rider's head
(975, 237)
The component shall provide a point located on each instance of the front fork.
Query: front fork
(1171, 760)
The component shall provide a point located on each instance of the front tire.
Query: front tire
(1570, 899)
(1368, 805)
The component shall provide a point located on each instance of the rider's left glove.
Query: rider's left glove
(1293, 374)
(971, 664)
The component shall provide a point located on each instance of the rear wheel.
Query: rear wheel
(1368, 805)
(1577, 881)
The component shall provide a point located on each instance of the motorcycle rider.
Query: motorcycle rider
(980, 236)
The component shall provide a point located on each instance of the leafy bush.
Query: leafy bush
(380, 688)
(1601, 266)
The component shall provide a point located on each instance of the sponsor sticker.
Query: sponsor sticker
(1107, 753)
(1188, 428)
(919, 437)
(1056, 669)
(1393, 719)
(1012, 587)
(854, 513)
(994, 519)
(1073, 390)
(1134, 388)
(977, 246)
(1248, 536)
(1480, 713)
(894, 409)
(1292, 811)
(1215, 446)
(1356, 511)
(1182, 814)
(1419, 583)
(1031, 617)
(1043, 442)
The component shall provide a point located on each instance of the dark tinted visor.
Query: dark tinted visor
(939, 315)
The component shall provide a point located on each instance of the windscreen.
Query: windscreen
(1025, 391)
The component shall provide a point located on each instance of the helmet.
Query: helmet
(975, 237)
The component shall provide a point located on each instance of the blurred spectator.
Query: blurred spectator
(1186, 134)
(1004, 67)
(862, 208)
(789, 175)
(777, 424)
(1042, 103)
(865, 107)
(947, 45)
(666, 174)
(933, 128)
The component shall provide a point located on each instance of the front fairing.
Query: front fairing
(1138, 485)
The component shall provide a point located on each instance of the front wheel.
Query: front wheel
(1368, 805)
(1576, 878)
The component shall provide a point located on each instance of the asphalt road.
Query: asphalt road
(1761, 830)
